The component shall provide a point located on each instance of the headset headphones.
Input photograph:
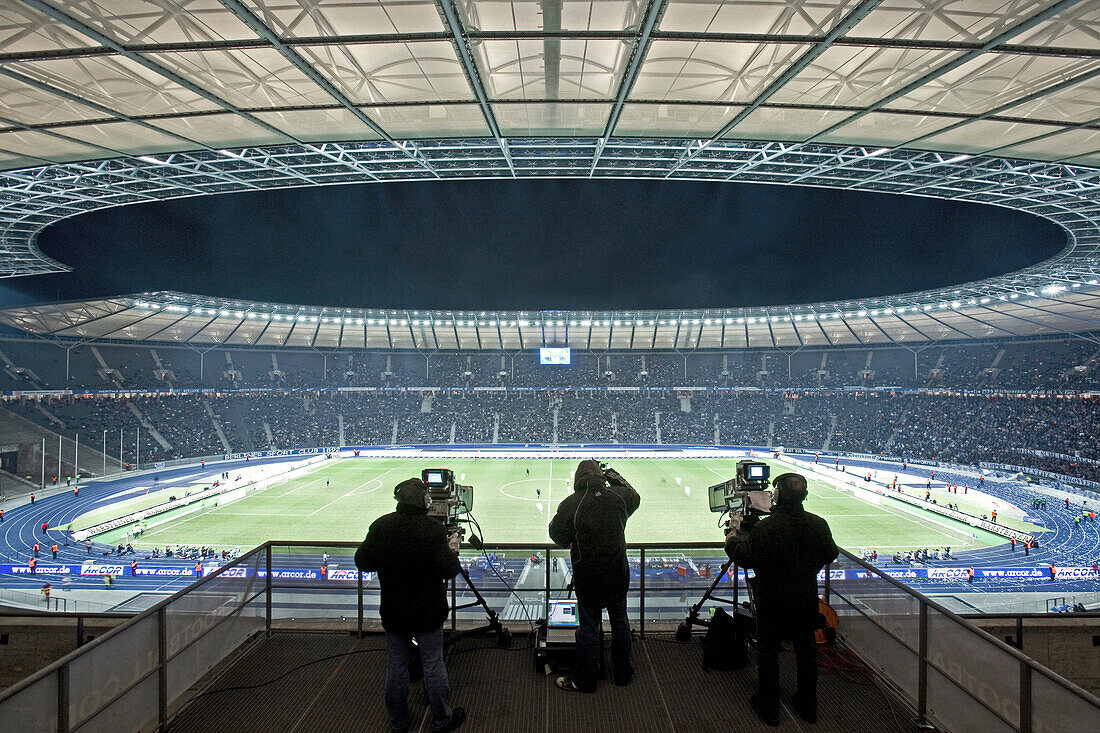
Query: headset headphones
(785, 493)
(413, 491)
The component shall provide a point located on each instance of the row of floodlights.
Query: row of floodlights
(1050, 290)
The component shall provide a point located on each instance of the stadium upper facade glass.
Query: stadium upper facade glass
(106, 103)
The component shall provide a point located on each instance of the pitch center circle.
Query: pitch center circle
(543, 482)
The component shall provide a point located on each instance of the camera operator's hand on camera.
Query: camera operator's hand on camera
(613, 476)
(454, 542)
(733, 527)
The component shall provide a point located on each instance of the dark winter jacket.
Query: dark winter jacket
(591, 522)
(786, 549)
(409, 551)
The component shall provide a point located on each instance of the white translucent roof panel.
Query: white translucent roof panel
(319, 124)
(33, 106)
(980, 136)
(308, 18)
(810, 17)
(328, 336)
(23, 30)
(953, 20)
(275, 334)
(674, 120)
(125, 136)
(431, 120)
(368, 73)
(711, 71)
(1077, 103)
(1054, 147)
(859, 76)
(132, 22)
(581, 69)
(41, 146)
(772, 123)
(759, 336)
(533, 15)
(220, 130)
(543, 118)
(247, 334)
(116, 83)
(10, 160)
(254, 78)
(884, 128)
(352, 337)
(1077, 27)
(988, 82)
(217, 331)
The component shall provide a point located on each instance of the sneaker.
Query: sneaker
(805, 710)
(567, 684)
(401, 730)
(771, 717)
(458, 717)
(624, 680)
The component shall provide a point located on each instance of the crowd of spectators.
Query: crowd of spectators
(1047, 364)
(931, 425)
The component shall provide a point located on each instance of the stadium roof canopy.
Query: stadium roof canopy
(106, 103)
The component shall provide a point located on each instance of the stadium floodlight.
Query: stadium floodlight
(876, 153)
(740, 320)
(956, 159)
(150, 159)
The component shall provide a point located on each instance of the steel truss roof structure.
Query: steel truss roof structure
(107, 103)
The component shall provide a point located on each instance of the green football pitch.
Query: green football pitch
(514, 500)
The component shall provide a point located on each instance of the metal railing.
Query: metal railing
(957, 676)
(950, 672)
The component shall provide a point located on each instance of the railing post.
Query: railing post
(825, 595)
(546, 596)
(1025, 697)
(80, 631)
(162, 668)
(63, 699)
(359, 620)
(641, 595)
(922, 666)
(268, 602)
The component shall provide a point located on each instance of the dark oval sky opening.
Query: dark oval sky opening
(549, 244)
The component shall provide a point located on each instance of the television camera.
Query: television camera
(745, 496)
(451, 504)
(451, 501)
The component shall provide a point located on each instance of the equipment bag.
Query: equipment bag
(724, 646)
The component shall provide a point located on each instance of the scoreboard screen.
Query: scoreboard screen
(554, 355)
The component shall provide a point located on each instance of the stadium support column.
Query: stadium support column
(554, 437)
(657, 425)
(43, 464)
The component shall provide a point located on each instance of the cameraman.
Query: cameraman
(787, 549)
(414, 557)
(591, 522)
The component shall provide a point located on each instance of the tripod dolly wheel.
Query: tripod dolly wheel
(504, 639)
(683, 632)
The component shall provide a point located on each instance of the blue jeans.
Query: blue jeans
(588, 644)
(397, 676)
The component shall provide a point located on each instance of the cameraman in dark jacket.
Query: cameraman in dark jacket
(786, 549)
(591, 522)
(414, 557)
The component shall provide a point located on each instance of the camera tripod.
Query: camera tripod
(683, 631)
(504, 636)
